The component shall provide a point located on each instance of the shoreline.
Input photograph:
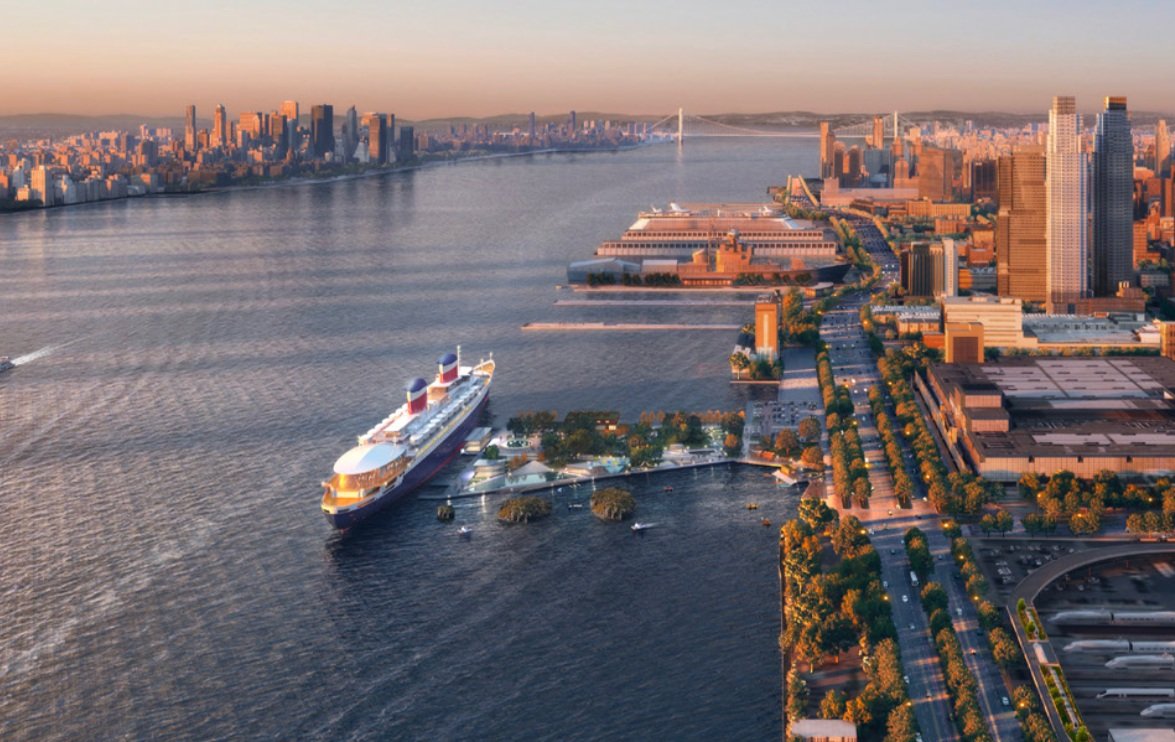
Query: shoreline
(307, 181)
(576, 481)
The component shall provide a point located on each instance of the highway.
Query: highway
(854, 364)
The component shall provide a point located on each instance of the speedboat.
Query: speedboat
(6, 363)
(575, 506)
(638, 526)
(464, 531)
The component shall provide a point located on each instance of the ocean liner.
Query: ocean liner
(408, 448)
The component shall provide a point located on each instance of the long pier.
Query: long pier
(580, 480)
(652, 303)
(619, 327)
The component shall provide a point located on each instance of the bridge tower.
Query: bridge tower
(680, 126)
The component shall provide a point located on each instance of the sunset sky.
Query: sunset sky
(459, 57)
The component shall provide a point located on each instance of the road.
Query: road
(853, 363)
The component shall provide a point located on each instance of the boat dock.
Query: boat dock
(452, 492)
(653, 302)
(620, 327)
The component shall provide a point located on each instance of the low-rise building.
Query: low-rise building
(1010, 416)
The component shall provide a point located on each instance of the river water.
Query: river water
(191, 367)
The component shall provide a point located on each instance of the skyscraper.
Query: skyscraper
(406, 150)
(827, 152)
(936, 174)
(531, 134)
(878, 132)
(350, 134)
(322, 130)
(1020, 244)
(190, 128)
(1162, 148)
(1066, 233)
(289, 109)
(377, 138)
(945, 259)
(1113, 198)
(220, 132)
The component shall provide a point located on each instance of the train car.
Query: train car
(1142, 662)
(1146, 694)
(1159, 711)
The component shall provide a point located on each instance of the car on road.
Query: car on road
(1004, 700)
(905, 598)
(913, 627)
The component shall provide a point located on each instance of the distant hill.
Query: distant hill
(35, 125)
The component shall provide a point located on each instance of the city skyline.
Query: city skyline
(454, 59)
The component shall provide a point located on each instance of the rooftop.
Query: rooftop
(1071, 406)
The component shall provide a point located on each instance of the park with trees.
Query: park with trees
(834, 603)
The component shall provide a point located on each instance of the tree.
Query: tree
(832, 706)
(900, 726)
(810, 429)
(797, 696)
(1005, 651)
(786, 443)
(812, 457)
(1003, 521)
(739, 363)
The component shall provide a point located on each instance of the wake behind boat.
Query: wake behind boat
(638, 526)
(409, 447)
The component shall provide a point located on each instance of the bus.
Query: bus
(913, 579)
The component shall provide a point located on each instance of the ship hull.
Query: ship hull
(418, 474)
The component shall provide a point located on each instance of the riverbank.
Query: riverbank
(298, 181)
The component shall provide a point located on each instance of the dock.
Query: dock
(652, 302)
(621, 327)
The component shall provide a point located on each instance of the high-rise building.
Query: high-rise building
(1067, 232)
(289, 109)
(279, 134)
(571, 124)
(1162, 149)
(1020, 244)
(250, 124)
(767, 328)
(350, 134)
(828, 167)
(1113, 199)
(406, 146)
(983, 179)
(878, 140)
(917, 270)
(322, 130)
(945, 260)
(532, 132)
(220, 132)
(377, 137)
(936, 174)
(190, 128)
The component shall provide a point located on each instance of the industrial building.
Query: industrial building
(1010, 416)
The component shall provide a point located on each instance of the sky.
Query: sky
(459, 57)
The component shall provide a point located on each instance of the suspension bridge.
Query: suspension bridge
(681, 126)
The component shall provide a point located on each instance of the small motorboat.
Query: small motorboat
(638, 526)
(666, 488)
(752, 506)
(6, 363)
(464, 531)
(766, 522)
(575, 506)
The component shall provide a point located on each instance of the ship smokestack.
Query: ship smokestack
(417, 391)
(447, 368)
